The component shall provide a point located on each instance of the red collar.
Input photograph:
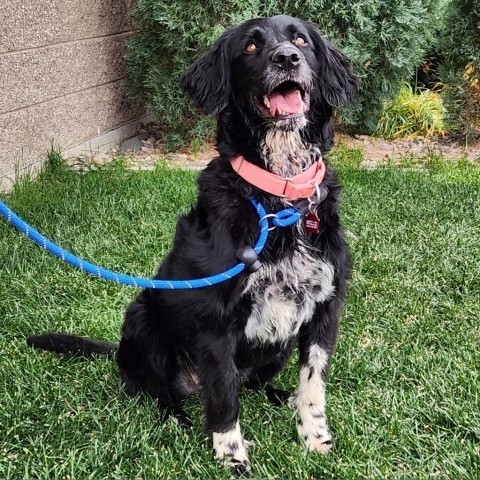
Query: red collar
(302, 185)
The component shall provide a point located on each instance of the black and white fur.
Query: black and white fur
(213, 339)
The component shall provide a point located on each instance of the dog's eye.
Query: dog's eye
(251, 47)
(300, 41)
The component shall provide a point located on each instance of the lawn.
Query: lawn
(404, 390)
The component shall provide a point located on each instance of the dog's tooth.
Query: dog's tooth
(266, 101)
(299, 94)
(280, 111)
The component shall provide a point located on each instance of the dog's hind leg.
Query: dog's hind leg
(154, 383)
(148, 365)
(220, 381)
(260, 378)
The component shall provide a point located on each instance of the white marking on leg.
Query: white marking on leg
(310, 402)
(231, 448)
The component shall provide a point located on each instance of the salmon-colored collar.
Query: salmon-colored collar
(303, 185)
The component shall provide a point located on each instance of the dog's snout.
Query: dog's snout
(286, 57)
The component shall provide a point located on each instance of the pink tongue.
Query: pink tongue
(289, 102)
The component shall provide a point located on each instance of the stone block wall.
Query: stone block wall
(62, 76)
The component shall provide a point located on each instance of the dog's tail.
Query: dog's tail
(72, 345)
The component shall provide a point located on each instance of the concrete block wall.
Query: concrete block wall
(62, 74)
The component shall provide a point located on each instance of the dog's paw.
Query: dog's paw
(292, 401)
(239, 468)
(276, 396)
(322, 444)
(316, 445)
(315, 435)
(231, 450)
(235, 458)
(180, 417)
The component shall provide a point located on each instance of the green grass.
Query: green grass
(403, 395)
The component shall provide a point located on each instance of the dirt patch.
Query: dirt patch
(377, 151)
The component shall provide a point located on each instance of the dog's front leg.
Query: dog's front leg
(220, 382)
(316, 344)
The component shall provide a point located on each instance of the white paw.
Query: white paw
(321, 445)
(292, 401)
(315, 434)
(231, 449)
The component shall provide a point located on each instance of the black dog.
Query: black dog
(273, 83)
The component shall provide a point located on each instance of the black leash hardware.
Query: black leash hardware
(248, 256)
(305, 206)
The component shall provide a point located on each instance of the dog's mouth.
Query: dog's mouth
(286, 100)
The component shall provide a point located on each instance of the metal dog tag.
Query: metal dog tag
(312, 223)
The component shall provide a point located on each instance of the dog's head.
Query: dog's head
(277, 71)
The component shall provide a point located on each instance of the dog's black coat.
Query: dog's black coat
(177, 342)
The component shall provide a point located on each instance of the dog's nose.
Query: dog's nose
(286, 57)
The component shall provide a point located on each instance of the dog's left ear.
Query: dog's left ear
(208, 79)
(338, 83)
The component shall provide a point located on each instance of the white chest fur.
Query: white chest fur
(285, 294)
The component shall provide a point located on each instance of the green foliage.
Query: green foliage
(461, 97)
(460, 71)
(385, 40)
(411, 113)
(171, 34)
(461, 36)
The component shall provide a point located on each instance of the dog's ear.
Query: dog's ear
(207, 81)
(338, 83)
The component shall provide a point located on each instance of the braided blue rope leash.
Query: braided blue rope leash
(284, 218)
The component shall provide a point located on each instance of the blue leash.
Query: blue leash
(284, 218)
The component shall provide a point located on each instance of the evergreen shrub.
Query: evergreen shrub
(460, 70)
(385, 40)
